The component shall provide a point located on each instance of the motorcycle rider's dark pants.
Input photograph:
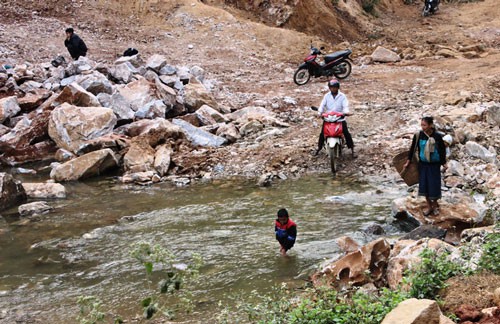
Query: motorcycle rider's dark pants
(347, 136)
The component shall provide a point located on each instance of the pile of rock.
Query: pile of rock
(133, 115)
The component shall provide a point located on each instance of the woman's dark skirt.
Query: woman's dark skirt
(429, 184)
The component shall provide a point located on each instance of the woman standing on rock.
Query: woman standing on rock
(430, 149)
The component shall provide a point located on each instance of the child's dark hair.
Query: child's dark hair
(428, 119)
(282, 213)
(70, 30)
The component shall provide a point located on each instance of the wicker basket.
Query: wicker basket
(410, 174)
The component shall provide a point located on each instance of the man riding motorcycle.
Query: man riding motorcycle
(335, 100)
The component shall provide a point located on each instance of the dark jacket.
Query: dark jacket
(441, 148)
(286, 234)
(76, 46)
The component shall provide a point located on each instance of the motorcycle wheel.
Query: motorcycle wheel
(301, 76)
(334, 153)
(346, 67)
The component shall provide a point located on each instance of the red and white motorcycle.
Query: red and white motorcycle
(334, 137)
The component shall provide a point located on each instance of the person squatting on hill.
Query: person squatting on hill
(335, 100)
(75, 45)
(431, 153)
(285, 230)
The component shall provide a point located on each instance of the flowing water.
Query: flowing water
(83, 246)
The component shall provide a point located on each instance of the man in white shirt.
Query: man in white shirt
(335, 100)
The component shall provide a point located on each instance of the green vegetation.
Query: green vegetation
(369, 5)
(169, 278)
(490, 260)
(326, 305)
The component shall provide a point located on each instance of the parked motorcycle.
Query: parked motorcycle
(337, 63)
(430, 7)
(334, 138)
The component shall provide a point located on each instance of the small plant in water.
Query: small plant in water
(172, 277)
(90, 310)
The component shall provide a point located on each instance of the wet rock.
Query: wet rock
(425, 231)
(476, 150)
(46, 190)
(384, 55)
(74, 94)
(85, 166)
(402, 218)
(162, 159)
(11, 191)
(374, 229)
(367, 264)
(412, 311)
(34, 208)
(199, 137)
(265, 180)
(138, 177)
(70, 126)
(196, 95)
(8, 108)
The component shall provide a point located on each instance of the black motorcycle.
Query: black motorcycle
(336, 63)
(430, 7)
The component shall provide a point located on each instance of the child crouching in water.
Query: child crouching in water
(286, 231)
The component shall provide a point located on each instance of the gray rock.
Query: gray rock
(9, 107)
(34, 208)
(493, 114)
(429, 231)
(478, 151)
(199, 137)
(152, 110)
(168, 70)
(96, 83)
(123, 73)
(156, 62)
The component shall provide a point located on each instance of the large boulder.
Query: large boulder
(44, 190)
(76, 95)
(478, 151)
(31, 101)
(384, 55)
(367, 264)
(137, 93)
(28, 141)
(199, 137)
(11, 191)
(9, 107)
(406, 253)
(70, 126)
(196, 95)
(414, 311)
(85, 166)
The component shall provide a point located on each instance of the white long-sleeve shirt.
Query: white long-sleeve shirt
(329, 103)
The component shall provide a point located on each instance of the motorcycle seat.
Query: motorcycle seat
(336, 55)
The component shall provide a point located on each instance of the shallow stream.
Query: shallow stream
(83, 246)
